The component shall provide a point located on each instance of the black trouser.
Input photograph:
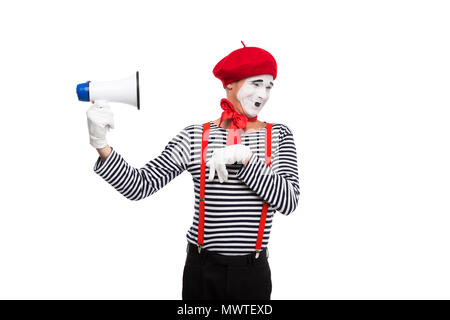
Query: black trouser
(210, 275)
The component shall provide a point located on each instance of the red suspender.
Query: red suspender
(262, 221)
(201, 204)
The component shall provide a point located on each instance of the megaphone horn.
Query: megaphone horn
(124, 90)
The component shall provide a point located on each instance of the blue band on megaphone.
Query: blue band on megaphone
(83, 91)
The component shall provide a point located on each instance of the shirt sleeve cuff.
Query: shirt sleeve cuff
(99, 166)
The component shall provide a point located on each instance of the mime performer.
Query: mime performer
(244, 170)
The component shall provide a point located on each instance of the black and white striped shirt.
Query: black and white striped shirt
(232, 208)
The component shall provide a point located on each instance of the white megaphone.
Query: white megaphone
(124, 91)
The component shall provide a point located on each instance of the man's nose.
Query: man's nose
(262, 94)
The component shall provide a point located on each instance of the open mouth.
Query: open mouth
(257, 104)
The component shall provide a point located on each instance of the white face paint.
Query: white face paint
(254, 93)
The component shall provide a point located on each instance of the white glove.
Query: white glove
(227, 155)
(100, 120)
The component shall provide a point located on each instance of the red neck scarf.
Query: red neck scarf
(238, 121)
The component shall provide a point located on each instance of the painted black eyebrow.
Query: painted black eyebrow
(260, 80)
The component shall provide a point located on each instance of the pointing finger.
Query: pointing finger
(225, 173)
(211, 171)
(221, 172)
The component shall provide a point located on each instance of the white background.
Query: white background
(363, 85)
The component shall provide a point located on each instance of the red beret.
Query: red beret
(243, 63)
